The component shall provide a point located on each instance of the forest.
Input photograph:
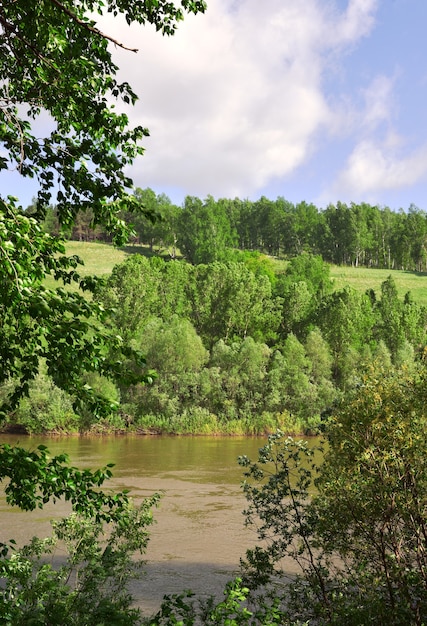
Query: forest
(240, 343)
(208, 230)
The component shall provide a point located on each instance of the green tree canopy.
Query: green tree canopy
(54, 60)
(205, 234)
(56, 65)
(58, 125)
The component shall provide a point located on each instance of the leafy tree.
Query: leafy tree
(55, 64)
(99, 567)
(356, 523)
(156, 223)
(63, 328)
(132, 292)
(54, 59)
(381, 471)
(205, 234)
(346, 320)
(391, 312)
(270, 216)
(229, 301)
(178, 354)
(304, 283)
(145, 227)
(241, 216)
(401, 244)
(289, 382)
(304, 225)
(312, 270)
(399, 322)
(298, 307)
(240, 388)
(166, 232)
(259, 264)
(174, 281)
(84, 229)
(174, 347)
(321, 362)
(46, 408)
(416, 224)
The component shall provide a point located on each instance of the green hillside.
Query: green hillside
(100, 258)
(363, 278)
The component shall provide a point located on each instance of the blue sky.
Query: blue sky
(315, 100)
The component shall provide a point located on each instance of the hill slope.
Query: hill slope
(100, 258)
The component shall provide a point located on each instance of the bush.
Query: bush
(181, 609)
(47, 408)
(89, 586)
(356, 524)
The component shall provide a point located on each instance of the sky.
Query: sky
(311, 100)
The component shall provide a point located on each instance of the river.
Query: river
(199, 534)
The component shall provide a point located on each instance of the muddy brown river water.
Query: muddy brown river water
(199, 534)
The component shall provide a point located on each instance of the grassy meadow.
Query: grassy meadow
(363, 278)
(100, 258)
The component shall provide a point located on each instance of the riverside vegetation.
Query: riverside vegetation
(280, 346)
(239, 347)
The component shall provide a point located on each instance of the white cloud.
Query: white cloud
(380, 159)
(235, 98)
(357, 21)
(376, 166)
(379, 102)
(375, 107)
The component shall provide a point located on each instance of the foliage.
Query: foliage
(205, 234)
(229, 301)
(278, 487)
(404, 320)
(89, 585)
(46, 408)
(355, 235)
(62, 328)
(310, 269)
(174, 348)
(355, 524)
(58, 76)
(180, 610)
(383, 507)
(161, 232)
(33, 479)
(169, 309)
(54, 59)
(59, 125)
(259, 264)
(346, 320)
(244, 387)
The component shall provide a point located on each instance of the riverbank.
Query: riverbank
(255, 427)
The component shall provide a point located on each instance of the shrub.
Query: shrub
(89, 586)
(356, 524)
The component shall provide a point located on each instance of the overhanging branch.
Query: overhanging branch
(90, 28)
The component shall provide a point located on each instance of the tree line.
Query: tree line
(233, 343)
(209, 230)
